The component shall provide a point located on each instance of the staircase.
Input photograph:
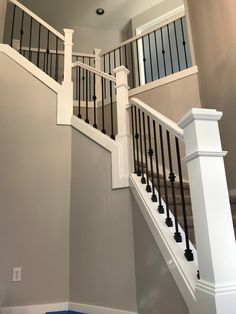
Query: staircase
(147, 149)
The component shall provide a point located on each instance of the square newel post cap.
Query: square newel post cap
(200, 115)
(121, 68)
(68, 31)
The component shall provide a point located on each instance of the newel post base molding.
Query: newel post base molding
(215, 240)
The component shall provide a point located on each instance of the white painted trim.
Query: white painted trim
(200, 114)
(164, 81)
(162, 20)
(35, 309)
(30, 67)
(115, 148)
(204, 154)
(183, 272)
(38, 19)
(158, 117)
(93, 309)
(94, 70)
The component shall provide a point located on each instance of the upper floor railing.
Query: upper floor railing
(152, 55)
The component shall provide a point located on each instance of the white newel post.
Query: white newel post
(65, 99)
(215, 241)
(123, 125)
(98, 87)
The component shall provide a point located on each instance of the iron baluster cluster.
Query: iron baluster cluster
(153, 55)
(36, 43)
(94, 110)
(157, 160)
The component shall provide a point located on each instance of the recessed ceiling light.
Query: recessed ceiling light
(100, 11)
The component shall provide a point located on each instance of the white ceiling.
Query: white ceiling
(83, 12)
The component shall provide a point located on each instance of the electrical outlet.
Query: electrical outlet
(16, 274)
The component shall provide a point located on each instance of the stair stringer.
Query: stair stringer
(64, 110)
(115, 148)
(183, 272)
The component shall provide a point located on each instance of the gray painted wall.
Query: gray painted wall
(215, 50)
(101, 248)
(3, 5)
(157, 292)
(34, 190)
(158, 10)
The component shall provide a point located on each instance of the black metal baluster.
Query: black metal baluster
(148, 187)
(177, 48)
(76, 81)
(144, 61)
(47, 52)
(171, 58)
(103, 111)
(133, 135)
(150, 153)
(137, 139)
(90, 83)
(56, 65)
(168, 220)
(184, 43)
(177, 235)
(13, 24)
(30, 39)
(109, 59)
(44, 61)
(39, 39)
(104, 70)
(86, 96)
(160, 206)
(120, 55)
(126, 59)
(150, 56)
(51, 55)
(114, 51)
(22, 29)
(94, 103)
(138, 69)
(79, 95)
(132, 64)
(143, 180)
(112, 117)
(157, 57)
(163, 52)
(188, 252)
(83, 83)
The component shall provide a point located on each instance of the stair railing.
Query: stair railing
(152, 55)
(156, 147)
(29, 30)
(156, 143)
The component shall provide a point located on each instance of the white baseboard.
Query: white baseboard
(36, 309)
(43, 308)
(93, 309)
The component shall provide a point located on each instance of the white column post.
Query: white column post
(98, 87)
(123, 125)
(215, 240)
(65, 99)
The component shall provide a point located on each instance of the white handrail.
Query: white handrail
(60, 52)
(132, 39)
(159, 118)
(94, 70)
(38, 19)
